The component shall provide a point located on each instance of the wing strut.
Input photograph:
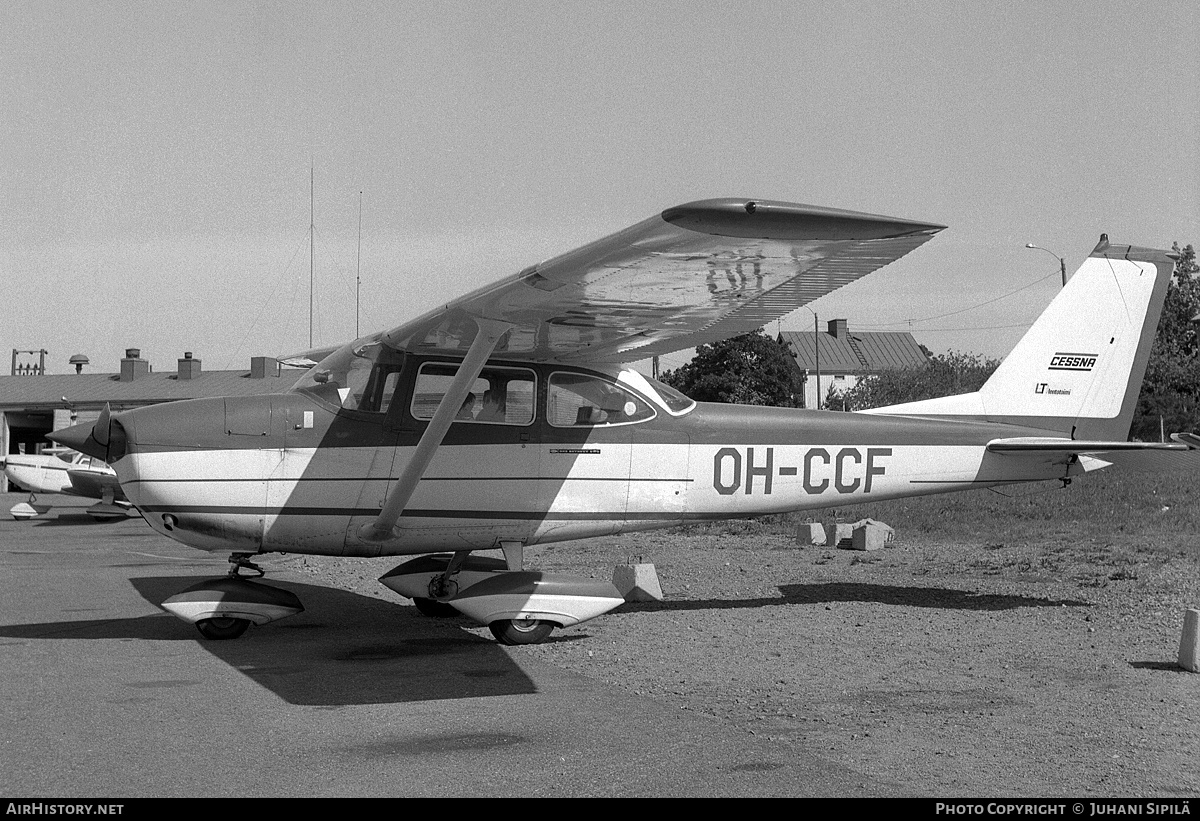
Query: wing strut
(486, 338)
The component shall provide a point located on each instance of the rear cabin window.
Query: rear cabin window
(499, 396)
(576, 400)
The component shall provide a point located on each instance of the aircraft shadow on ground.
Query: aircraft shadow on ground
(343, 649)
(830, 592)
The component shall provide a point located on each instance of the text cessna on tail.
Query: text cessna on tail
(505, 419)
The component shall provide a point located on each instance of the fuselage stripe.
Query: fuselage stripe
(360, 479)
(428, 514)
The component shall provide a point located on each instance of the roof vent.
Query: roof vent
(78, 360)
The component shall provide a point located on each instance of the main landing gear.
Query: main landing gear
(518, 606)
(225, 608)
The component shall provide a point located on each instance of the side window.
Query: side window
(502, 396)
(376, 396)
(578, 400)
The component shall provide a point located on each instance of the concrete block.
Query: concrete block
(810, 534)
(871, 535)
(1189, 642)
(868, 537)
(637, 582)
(839, 534)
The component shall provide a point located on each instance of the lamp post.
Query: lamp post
(1062, 265)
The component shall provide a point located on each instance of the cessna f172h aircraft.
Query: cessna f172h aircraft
(505, 419)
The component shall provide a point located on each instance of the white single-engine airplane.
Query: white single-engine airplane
(61, 470)
(505, 419)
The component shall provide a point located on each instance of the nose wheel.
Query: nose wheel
(223, 609)
(222, 628)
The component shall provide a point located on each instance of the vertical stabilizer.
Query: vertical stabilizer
(1078, 369)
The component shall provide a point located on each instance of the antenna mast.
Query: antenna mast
(312, 227)
(358, 270)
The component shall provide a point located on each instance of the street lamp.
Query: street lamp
(1062, 265)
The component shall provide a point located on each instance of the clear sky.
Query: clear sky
(155, 157)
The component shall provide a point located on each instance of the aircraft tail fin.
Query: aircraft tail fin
(1078, 369)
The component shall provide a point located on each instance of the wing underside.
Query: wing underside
(694, 274)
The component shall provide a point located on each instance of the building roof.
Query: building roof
(92, 390)
(855, 353)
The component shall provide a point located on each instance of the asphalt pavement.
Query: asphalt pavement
(107, 696)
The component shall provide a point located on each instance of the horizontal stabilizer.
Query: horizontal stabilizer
(1181, 454)
(1050, 444)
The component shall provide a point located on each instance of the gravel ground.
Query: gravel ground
(965, 670)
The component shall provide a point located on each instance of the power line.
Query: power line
(960, 311)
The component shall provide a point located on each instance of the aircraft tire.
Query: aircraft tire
(219, 629)
(434, 608)
(521, 631)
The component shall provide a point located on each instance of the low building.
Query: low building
(33, 403)
(836, 358)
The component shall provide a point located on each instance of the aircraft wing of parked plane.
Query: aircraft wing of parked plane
(505, 419)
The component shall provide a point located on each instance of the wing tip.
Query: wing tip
(772, 219)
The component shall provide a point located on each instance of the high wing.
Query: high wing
(306, 359)
(694, 274)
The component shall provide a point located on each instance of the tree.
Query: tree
(1169, 400)
(943, 375)
(751, 369)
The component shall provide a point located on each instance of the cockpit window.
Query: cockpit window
(361, 377)
(580, 400)
(501, 396)
(675, 402)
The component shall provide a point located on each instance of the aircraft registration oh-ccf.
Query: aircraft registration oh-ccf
(507, 419)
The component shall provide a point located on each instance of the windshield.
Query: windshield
(675, 402)
(361, 376)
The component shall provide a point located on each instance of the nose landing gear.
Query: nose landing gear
(223, 609)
